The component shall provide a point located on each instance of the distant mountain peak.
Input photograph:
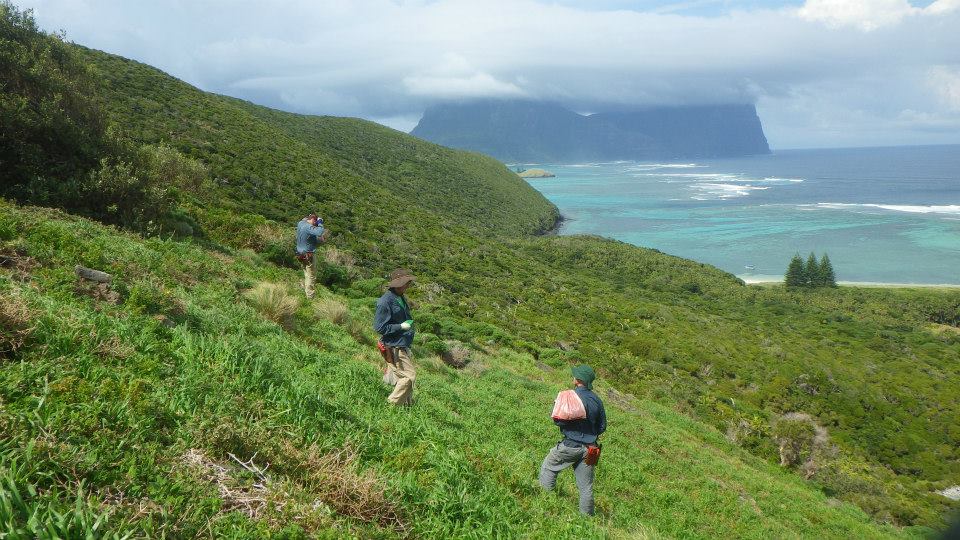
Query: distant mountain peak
(539, 131)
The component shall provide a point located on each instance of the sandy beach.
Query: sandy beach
(776, 280)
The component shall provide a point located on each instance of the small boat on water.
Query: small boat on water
(750, 266)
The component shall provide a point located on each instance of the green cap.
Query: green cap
(584, 374)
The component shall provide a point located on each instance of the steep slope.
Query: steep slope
(176, 409)
(529, 131)
(280, 164)
(878, 369)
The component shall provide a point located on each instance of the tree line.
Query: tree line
(812, 273)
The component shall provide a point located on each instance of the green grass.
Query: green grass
(104, 405)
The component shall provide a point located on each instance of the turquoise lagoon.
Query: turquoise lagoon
(884, 215)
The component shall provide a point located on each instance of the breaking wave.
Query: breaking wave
(950, 209)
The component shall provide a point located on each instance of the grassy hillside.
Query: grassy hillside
(280, 164)
(134, 413)
(216, 185)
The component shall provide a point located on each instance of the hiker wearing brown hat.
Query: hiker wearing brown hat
(310, 232)
(394, 322)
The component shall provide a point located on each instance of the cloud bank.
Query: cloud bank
(823, 73)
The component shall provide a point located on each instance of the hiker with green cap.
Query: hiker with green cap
(579, 447)
(394, 322)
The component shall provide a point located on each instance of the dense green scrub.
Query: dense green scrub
(130, 414)
(877, 369)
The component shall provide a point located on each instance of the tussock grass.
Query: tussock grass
(333, 310)
(274, 302)
(457, 355)
(16, 261)
(337, 480)
(16, 323)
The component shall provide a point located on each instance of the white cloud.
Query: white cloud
(946, 82)
(478, 85)
(869, 15)
(816, 82)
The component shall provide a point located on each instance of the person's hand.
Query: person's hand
(406, 325)
(324, 235)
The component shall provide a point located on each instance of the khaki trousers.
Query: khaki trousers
(309, 276)
(403, 369)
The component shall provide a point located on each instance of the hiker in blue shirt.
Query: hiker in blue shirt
(579, 447)
(310, 232)
(394, 322)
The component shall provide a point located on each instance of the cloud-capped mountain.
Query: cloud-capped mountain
(530, 131)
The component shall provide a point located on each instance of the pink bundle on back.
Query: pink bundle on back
(568, 406)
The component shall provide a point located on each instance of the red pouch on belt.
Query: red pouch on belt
(593, 455)
(386, 352)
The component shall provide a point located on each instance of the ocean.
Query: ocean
(884, 215)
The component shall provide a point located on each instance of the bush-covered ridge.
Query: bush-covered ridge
(281, 164)
(876, 369)
(156, 413)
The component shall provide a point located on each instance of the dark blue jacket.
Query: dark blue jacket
(386, 321)
(587, 430)
(307, 236)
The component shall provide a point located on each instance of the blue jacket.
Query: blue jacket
(587, 430)
(392, 310)
(307, 236)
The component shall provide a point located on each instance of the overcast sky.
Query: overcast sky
(823, 73)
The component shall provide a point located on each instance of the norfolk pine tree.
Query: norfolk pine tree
(826, 274)
(796, 276)
(811, 271)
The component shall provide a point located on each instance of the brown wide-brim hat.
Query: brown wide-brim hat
(400, 277)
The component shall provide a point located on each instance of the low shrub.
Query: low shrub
(339, 257)
(795, 440)
(367, 288)
(281, 254)
(149, 297)
(332, 274)
(434, 344)
(691, 287)
(558, 359)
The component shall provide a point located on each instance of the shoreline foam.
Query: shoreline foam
(763, 280)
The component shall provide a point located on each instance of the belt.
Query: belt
(573, 444)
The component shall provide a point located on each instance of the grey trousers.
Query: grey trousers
(561, 457)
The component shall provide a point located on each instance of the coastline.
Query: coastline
(554, 229)
(764, 281)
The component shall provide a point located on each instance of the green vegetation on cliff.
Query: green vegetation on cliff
(134, 400)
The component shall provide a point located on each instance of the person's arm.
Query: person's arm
(603, 419)
(381, 320)
(315, 230)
